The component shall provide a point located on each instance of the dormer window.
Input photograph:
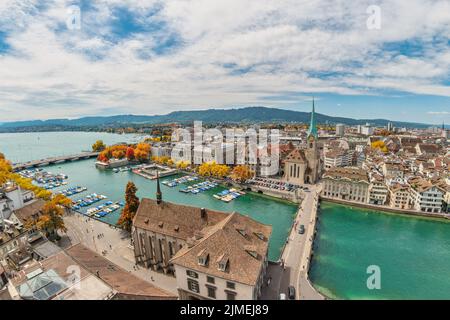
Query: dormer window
(223, 262)
(251, 250)
(160, 224)
(260, 236)
(203, 258)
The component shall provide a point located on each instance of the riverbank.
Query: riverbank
(405, 212)
(411, 251)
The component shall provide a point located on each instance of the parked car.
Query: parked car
(301, 229)
(291, 292)
(282, 296)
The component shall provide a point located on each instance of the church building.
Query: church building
(303, 166)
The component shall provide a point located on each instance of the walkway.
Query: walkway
(85, 230)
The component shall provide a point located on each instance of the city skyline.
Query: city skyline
(156, 57)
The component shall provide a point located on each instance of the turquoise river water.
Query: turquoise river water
(413, 254)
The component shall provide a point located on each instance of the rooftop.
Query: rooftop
(234, 249)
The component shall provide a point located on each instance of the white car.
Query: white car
(282, 296)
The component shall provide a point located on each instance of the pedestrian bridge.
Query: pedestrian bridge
(53, 160)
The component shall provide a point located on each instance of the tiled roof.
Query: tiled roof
(27, 211)
(296, 155)
(238, 241)
(173, 219)
(119, 279)
(350, 173)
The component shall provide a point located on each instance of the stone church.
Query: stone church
(302, 166)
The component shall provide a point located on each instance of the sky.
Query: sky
(68, 59)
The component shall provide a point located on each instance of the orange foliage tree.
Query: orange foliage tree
(131, 206)
(241, 173)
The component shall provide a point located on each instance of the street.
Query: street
(296, 253)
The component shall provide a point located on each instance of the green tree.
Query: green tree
(131, 207)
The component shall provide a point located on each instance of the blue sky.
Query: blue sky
(154, 57)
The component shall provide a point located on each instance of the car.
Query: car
(282, 296)
(301, 229)
(291, 292)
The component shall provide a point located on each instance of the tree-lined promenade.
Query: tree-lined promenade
(49, 221)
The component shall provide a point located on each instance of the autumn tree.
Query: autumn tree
(142, 152)
(98, 146)
(380, 146)
(212, 169)
(51, 220)
(241, 173)
(130, 153)
(130, 209)
(182, 164)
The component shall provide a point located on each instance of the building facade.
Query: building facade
(349, 184)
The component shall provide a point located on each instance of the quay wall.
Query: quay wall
(387, 209)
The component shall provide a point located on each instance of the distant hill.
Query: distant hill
(237, 115)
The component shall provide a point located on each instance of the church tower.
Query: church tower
(158, 190)
(312, 150)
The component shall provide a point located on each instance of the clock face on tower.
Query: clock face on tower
(311, 138)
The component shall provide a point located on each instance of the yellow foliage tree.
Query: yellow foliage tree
(182, 164)
(98, 146)
(212, 169)
(142, 152)
(241, 173)
(379, 145)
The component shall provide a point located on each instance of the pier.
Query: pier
(53, 160)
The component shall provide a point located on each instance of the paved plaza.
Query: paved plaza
(114, 244)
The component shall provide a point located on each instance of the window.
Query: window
(192, 274)
(193, 285)
(231, 295)
(211, 292)
(231, 285)
(210, 279)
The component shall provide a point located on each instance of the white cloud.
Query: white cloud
(231, 52)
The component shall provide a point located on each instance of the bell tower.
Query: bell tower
(312, 150)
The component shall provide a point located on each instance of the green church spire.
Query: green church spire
(312, 125)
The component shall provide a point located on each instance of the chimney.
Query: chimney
(203, 213)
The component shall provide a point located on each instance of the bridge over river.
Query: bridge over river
(53, 160)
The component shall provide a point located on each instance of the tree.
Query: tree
(241, 173)
(131, 207)
(130, 153)
(98, 146)
(379, 145)
(51, 220)
(142, 152)
(182, 164)
(212, 169)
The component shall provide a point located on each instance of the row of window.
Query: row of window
(193, 286)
